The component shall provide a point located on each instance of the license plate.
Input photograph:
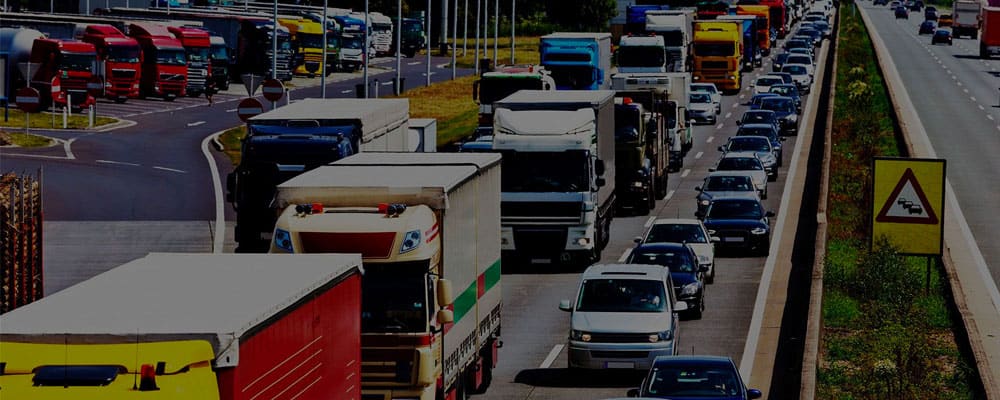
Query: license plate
(733, 239)
(541, 261)
(620, 364)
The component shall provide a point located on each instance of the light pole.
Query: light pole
(364, 53)
(427, 20)
(512, 19)
(399, 44)
(465, 28)
(496, 30)
(274, 41)
(478, 14)
(454, 39)
(326, 63)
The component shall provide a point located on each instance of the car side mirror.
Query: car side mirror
(711, 169)
(601, 182)
(769, 214)
(698, 188)
(564, 305)
(632, 393)
(739, 123)
(680, 306)
(637, 239)
(754, 393)
(703, 268)
(722, 148)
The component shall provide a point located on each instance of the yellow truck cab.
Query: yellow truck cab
(717, 55)
(308, 35)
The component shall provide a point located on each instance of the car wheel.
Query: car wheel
(711, 276)
(765, 248)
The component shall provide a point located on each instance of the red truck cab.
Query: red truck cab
(198, 45)
(164, 61)
(72, 61)
(122, 59)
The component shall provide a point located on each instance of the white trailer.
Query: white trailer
(675, 27)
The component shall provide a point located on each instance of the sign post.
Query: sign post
(248, 108)
(273, 91)
(251, 82)
(28, 100)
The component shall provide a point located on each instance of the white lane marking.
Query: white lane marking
(729, 114)
(346, 91)
(180, 171)
(736, 105)
(964, 90)
(195, 123)
(117, 163)
(743, 96)
(973, 98)
(998, 128)
(685, 173)
(386, 83)
(413, 63)
(719, 126)
(552, 356)
(624, 255)
(981, 107)
(700, 153)
(989, 116)
(220, 215)
(960, 84)
(649, 221)
(954, 78)
(710, 139)
(231, 110)
(671, 193)
(69, 151)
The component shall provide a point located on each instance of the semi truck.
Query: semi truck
(412, 36)
(307, 36)
(287, 141)
(667, 95)
(641, 54)
(66, 63)
(193, 326)
(751, 51)
(221, 62)
(427, 226)
(674, 26)
(712, 9)
(503, 81)
(635, 17)
(764, 37)
(352, 42)
(577, 60)
(164, 63)
(965, 18)
(779, 19)
(197, 45)
(558, 189)
(989, 38)
(121, 57)
(636, 187)
(382, 34)
(716, 54)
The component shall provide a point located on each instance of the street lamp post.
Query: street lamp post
(364, 53)
(326, 63)
(496, 30)
(478, 14)
(512, 19)
(274, 41)
(399, 43)
(454, 39)
(427, 20)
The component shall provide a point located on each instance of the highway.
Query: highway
(956, 96)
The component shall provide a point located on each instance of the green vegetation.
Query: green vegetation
(887, 333)
(231, 140)
(24, 140)
(50, 121)
(525, 51)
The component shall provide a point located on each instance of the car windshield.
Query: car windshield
(799, 60)
(735, 209)
(622, 295)
(758, 117)
(782, 90)
(677, 261)
(703, 88)
(693, 381)
(739, 164)
(793, 44)
(698, 97)
(780, 59)
(676, 233)
(775, 104)
(769, 81)
(795, 69)
(749, 144)
(728, 184)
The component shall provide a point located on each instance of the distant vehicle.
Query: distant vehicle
(931, 13)
(740, 222)
(894, 4)
(722, 184)
(685, 230)
(784, 108)
(801, 59)
(805, 51)
(880, 2)
(760, 117)
(746, 162)
(757, 144)
(824, 27)
(798, 44)
(789, 90)
(701, 108)
(817, 36)
(927, 27)
(688, 276)
(786, 77)
(801, 74)
(674, 377)
(711, 89)
(768, 131)
(944, 20)
(902, 12)
(778, 61)
(941, 36)
(763, 84)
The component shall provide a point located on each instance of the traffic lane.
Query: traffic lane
(958, 129)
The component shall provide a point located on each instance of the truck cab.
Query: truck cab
(221, 61)
(717, 57)
(382, 35)
(72, 62)
(636, 187)
(674, 26)
(122, 60)
(197, 44)
(308, 38)
(352, 42)
(578, 61)
(412, 35)
(164, 63)
(641, 54)
(764, 37)
(504, 81)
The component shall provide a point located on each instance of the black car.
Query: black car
(688, 276)
(788, 90)
(675, 377)
(739, 222)
(880, 2)
(902, 12)
(760, 117)
(930, 13)
(779, 61)
(817, 36)
(784, 109)
(927, 27)
(941, 36)
(916, 5)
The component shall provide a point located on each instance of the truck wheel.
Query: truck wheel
(651, 197)
(169, 97)
(120, 100)
(661, 187)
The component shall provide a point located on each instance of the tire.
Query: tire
(765, 249)
(169, 98)
(710, 278)
(661, 187)
(697, 313)
(120, 100)
(651, 196)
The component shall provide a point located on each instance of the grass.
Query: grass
(888, 332)
(231, 139)
(46, 120)
(525, 51)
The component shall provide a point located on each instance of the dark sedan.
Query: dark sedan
(688, 377)
(788, 90)
(723, 184)
(941, 36)
(779, 60)
(688, 276)
(760, 117)
(784, 109)
(927, 28)
(739, 222)
(902, 12)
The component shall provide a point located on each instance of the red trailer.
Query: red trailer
(193, 326)
(164, 64)
(779, 16)
(122, 59)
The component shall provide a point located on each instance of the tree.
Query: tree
(584, 15)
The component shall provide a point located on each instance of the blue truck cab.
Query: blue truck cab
(578, 60)
(752, 53)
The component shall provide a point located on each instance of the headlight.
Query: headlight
(690, 289)
(283, 240)
(758, 230)
(579, 335)
(410, 241)
(793, 118)
(704, 202)
(637, 184)
(583, 241)
(697, 78)
(704, 260)
(665, 335)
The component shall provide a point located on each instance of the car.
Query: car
(901, 12)
(757, 98)
(763, 83)
(944, 20)
(941, 36)
(917, 6)
(758, 144)
(685, 230)
(785, 77)
(817, 36)
(784, 109)
(701, 108)
(814, 16)
(686, 272)
(768, 131)
(739, 222)
(802, 59)
(796, 43)
(746, 162)
(623, 316)
(789, 90)
(711, 89)
(880, 2)
(710, 377)
(931, 13)
(927, 28)
(778, 61)
(722, 184)
(805, 51)
(760, 117)
(801, 75)
(824, 27)
(894, 4)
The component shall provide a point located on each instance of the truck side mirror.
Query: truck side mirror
(601, 182)
(475, 90)
(444, 297)
(564, 305)
(445, 316)
(599, 167)
(598, 76)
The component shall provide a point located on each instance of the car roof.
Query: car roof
(783, 85)
(660, 246)
(749, 138)
(740, 154)
(625, 271)
(677, 221)
(759, 111)
(738, 196)
(730, 174)
(702, 359)
(770, 99)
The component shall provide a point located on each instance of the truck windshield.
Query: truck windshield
(311, 40)
(640, 56)
(220, 52)
(492, 89)
(77, 61)
(735, 209)
(564, 171)
(394, 297)
(123, 54)
(622, 295)
(353, 43)
(413, 26)
(198, 54)
(572, 77)
(714, 49)
(171, 57)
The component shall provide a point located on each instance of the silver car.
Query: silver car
(624, 316)
(711, 89)
(746, 162)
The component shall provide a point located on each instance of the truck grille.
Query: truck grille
(313, 57)
(618, 354)
(715, 64)
(171, 77)
(540, 239)
(539, 209)
(122, 73)
(387, 365)
(619, 337)
(74, 83)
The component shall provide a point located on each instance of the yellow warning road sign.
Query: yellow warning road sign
(908, 203)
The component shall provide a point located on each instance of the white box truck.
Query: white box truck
(423, 223)
(674, 87)
(965, 18)
(674, 26)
